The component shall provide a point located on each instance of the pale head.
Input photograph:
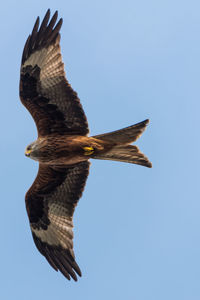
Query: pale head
(32, 150)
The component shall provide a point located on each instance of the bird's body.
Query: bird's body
(66, 149)
(63, 148)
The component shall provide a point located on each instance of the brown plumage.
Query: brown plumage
(63, 148)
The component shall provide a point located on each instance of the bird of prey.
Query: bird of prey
(63, 148)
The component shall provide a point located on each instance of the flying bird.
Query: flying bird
(63, 148)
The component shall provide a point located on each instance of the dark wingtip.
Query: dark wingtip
(37, 22)
(47, 13)
(43, 35)
(149, 165)
(146, 122)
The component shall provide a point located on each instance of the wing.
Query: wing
(44, 89)
(50, 203)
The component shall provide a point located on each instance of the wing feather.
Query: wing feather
(50, 204)
(44, 89)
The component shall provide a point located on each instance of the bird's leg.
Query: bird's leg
(88, 150)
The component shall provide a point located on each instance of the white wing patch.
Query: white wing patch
(37, 58)
(49, 60)
(59, 232)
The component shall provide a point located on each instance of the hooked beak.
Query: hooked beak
(28, 152)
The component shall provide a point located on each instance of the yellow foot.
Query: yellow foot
(88, 150)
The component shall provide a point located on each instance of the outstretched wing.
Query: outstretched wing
(50, 203)
(44, 89)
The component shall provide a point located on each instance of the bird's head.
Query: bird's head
(32, 150)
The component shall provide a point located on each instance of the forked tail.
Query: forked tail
(121, 149)
(126, 135)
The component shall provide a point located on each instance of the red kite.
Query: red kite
(63, 148)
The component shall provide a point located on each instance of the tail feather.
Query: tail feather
(126, 135)
(125, 153)
(117, 145)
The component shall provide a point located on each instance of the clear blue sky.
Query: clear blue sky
(137, 230)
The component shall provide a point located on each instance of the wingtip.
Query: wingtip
(55, 15)
(149, 165)
(37, 20)
(146, 122)
(48, 12)
(59, 24)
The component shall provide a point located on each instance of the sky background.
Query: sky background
(137, 230)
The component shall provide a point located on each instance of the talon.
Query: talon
(88, 150)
